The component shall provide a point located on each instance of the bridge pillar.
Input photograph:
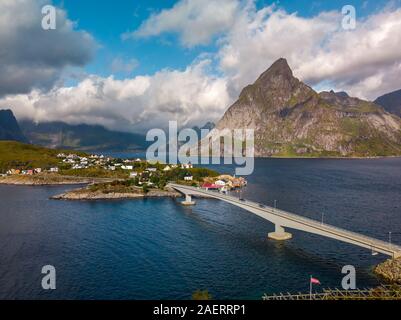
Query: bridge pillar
(279, 234)
(188, 201)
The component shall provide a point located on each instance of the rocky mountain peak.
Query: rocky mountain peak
(391, 102)
(290, 119)
(9, 128)
(280, 68)
(275, 89)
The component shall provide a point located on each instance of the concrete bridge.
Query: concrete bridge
(283, 219)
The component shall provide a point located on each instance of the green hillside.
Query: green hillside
(20, 155)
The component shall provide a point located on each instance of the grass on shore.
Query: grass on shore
(95, 172)
(17, 155)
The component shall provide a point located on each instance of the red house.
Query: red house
(210, 186)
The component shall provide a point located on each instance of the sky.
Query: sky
(133, 65)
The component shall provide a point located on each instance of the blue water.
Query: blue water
(158, 249)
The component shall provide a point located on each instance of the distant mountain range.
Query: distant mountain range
(9, 128)
(81, 137)
(290, 119)
(60, 135)
(391, 102)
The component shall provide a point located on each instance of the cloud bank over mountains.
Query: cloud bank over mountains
(142, 102)
(365, 62)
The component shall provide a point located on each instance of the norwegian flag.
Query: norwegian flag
(314, 281)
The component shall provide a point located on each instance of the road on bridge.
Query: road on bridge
(286, 219)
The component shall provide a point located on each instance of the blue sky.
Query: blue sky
(108, 20)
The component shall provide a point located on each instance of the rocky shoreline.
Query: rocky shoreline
(87, 194)
(390, 270)
(48, 180)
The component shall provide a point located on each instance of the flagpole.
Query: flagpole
(310, 288)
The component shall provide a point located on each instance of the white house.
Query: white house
(54, 169)
(167, 168)
(220, 183)
(187, 165)
(127, 167)
(152, 169)
(188, 178)
(133, 174)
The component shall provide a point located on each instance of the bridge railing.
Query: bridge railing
(375, 243)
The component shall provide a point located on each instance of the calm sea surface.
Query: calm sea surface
(158, 249)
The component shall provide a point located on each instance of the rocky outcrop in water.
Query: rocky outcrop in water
(390, 270)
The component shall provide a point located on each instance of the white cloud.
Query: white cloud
(365, 62)
(317, 48)
(135, 104)
(31, 57)
(119, 65)
(196, 21)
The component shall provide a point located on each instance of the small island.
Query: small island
(115, 190)
(151, 182)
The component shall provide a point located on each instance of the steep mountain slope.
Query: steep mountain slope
(207, 126)
(391, 102)
(81, 137)
(291, 119)
(9, 128)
